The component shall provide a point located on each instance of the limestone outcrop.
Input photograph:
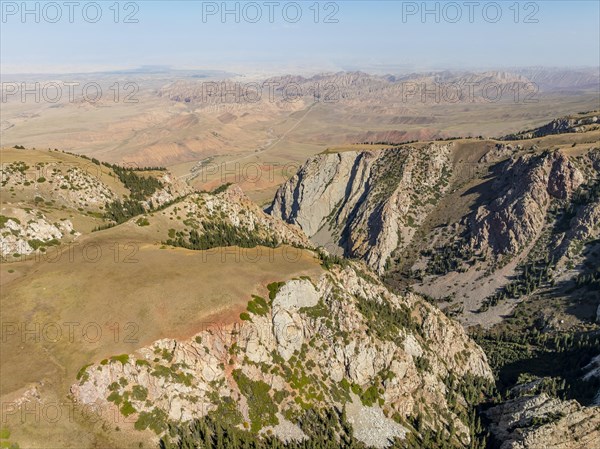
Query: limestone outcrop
(365, 204)
(342, 340)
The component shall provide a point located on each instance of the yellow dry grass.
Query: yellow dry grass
(111, 293)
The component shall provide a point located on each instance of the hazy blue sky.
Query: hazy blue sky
(367, 35)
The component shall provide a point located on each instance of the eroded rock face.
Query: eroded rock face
(372, 427)
(172, 189)
(370, 204)
(540, 422)
(287, 321)
(313, 342)
(24, 232)
(319, 186)
(366, 203)
(233, 208)
(593, 370)
(499, 152)
(583, 227)
(65, 184)
(525, 188)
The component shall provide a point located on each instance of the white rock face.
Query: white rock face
(287, 431)
(332, 344)
(25, 231)
(525, 189)
(75, 187)
(320, 185)
(371, 426)
(367, 203)
(287, 322)
(296, 294)
(412, 346)
(564, 424)
(172, 189)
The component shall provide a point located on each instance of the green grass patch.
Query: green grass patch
(123, 358)
(262, 409)
(258, 306)
(142, 221)
(155, 420)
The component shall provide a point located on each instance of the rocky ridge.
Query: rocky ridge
(345, 88)
(531, 205)
(227, 208)
(366, 204)
(172, 189)
(308, 345)
(66, 188)
(560, 126)
(69, 185)
(541, 422)
(525, 186)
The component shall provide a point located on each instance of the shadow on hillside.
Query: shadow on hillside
(485, 191)
(582, 300)
(567, 365)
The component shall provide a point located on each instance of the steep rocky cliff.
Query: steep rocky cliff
(524, 190)
(341, 341)
(510, 248)
(414, 212)
(366, 204)
(541, 422)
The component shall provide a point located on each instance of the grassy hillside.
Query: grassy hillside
(92, 295)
